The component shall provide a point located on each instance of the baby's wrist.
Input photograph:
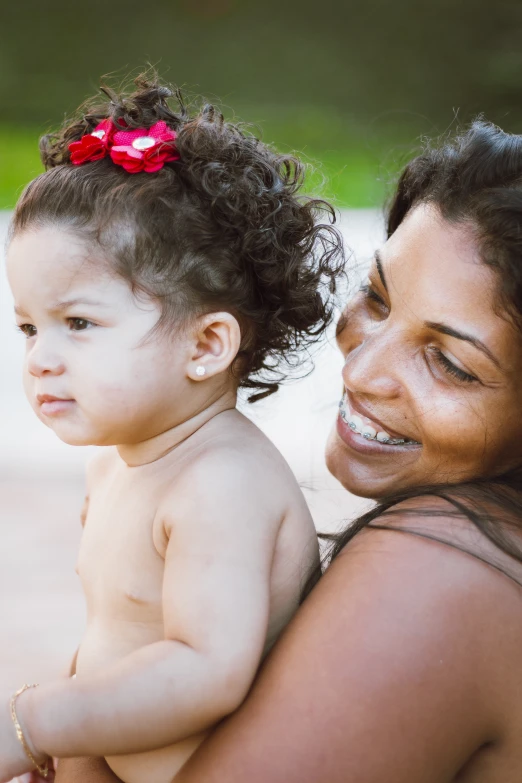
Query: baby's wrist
(24, 707)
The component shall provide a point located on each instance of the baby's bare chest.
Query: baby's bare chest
(119, 563)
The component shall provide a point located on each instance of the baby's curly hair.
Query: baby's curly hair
(224, 227)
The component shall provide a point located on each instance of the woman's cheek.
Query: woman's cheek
(450, 425)
(353, 325)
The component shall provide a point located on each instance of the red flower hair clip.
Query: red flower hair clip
(135, 150)
(92, 146)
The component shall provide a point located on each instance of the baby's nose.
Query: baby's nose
(42, 360)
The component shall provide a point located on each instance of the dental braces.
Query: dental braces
(367, 436)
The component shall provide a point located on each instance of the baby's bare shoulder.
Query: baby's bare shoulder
(236, 448)
(234, 463)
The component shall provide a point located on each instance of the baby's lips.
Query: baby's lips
(51, 398)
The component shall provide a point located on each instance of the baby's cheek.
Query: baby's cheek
(29, 386)
(114, 395)
(28, 383)
(124, 385)
(123, 398)
(107, 374)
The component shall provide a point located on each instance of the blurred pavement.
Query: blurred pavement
(41, 487)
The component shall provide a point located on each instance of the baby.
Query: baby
(161, 263)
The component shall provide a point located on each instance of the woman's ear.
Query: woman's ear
(216, 341)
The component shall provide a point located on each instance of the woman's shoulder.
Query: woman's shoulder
(469, 540)
(426, 598)
(480, 521)
(402, 662)
(413, 547)
(422, 542)
(428, 574)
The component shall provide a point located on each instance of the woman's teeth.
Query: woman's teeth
(366, 430)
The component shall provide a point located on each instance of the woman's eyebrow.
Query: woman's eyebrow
(378, 263)
(443, 329)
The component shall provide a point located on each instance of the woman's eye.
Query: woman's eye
(79, 324)
(27, 329)
(452, 369)
(371, 295)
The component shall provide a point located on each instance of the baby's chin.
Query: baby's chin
(77, 436)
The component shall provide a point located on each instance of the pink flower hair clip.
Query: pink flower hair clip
(135, 150)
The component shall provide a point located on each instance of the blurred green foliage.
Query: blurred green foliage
(347, 170)
(351, 84)
(20, 162)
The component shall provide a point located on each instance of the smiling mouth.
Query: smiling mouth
(363, 426)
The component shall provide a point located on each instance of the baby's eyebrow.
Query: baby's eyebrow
(59, 306)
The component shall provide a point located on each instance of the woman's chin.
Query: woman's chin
(363, 487)
(360, 477)
(346, 471)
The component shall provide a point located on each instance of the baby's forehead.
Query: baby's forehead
(51, 249)
(51, 264)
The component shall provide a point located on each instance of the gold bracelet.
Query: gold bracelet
(44, 771)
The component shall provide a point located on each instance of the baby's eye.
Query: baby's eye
(79, 324)
(27, 329)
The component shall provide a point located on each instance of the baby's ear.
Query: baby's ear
(217, 337)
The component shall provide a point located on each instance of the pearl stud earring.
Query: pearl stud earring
(200, 370)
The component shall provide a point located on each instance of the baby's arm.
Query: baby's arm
(222, 526)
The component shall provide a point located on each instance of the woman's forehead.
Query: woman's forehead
(439, 263)
(433, 272)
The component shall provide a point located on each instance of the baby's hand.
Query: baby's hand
(35, 777)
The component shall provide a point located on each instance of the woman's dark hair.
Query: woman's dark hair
(225, 227)
(475, 179)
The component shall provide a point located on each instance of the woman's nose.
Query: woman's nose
(372, 368)
(43, 360)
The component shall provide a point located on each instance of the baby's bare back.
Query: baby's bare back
(134, 515)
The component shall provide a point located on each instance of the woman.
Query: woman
(404, 662)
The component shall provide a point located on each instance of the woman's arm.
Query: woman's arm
(392, 670)
(85, 770)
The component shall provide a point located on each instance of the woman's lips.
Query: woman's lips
(369, 436)
(372, 447)
(354, 407)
